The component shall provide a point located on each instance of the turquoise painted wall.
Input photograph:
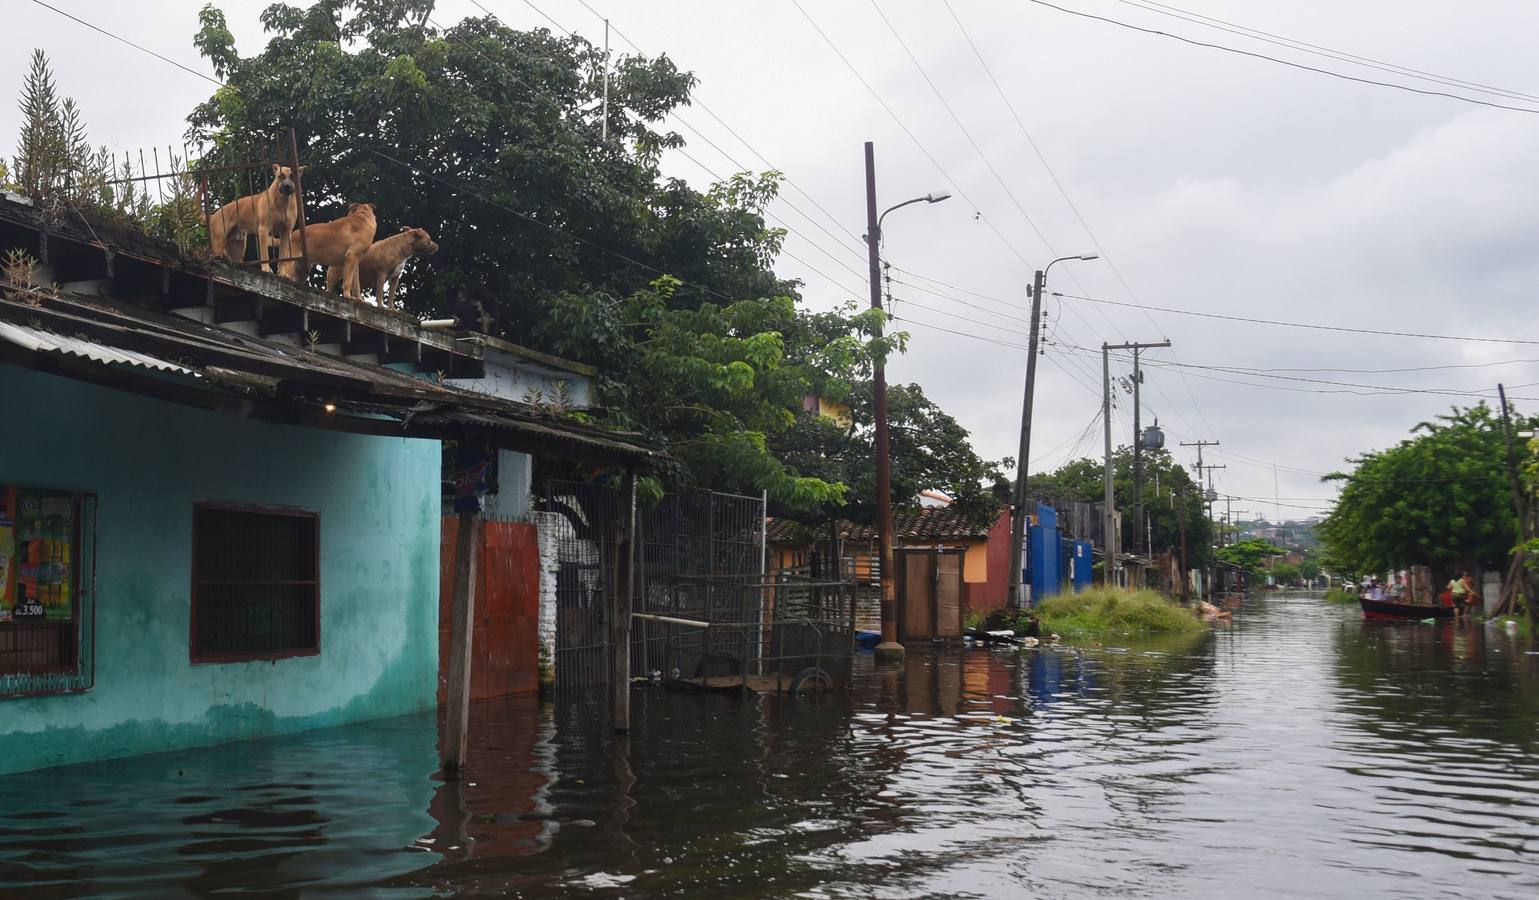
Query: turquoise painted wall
(148, 462)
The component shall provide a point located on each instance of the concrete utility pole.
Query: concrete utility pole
(889, 648)
(1206, 503)
(1109, 535)
(1014, 599)
(1138, 460)
(1186, 581)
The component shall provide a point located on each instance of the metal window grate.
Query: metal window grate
(256, 585)
(51, 655)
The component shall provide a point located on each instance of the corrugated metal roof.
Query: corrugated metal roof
(41, 341)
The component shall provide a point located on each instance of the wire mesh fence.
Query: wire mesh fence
(705, 613)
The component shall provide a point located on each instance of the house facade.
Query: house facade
(220, 497)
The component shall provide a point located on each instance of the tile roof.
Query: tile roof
(929, 524)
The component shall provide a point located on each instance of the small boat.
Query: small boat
(1391, 609)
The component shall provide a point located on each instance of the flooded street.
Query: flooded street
(1300, 752)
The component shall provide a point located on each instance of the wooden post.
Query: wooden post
(620, 627)
(1522, 506)
(302, 271)
(457, 714)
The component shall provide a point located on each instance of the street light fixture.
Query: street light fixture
(1015, 598)
(889, 648)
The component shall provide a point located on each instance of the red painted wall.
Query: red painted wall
(991, 594)
(504, 648)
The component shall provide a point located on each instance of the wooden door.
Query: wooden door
(948, 595)
(916, 593)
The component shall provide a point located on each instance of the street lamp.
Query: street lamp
(889, 648)
(1018, 513)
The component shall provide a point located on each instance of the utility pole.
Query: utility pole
(1206, 503)
(1186, 581)
(879, 403)
(1015, 599)
(1138, 459)
(889, 650)
(1109, 533)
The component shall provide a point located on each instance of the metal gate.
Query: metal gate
(699, 556)
(582, 534)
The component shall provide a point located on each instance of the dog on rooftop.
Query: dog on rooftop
(269, 215)
(386, 259)
(340, 245)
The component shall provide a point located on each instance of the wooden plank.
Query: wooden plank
(918, 573)
(948, 595)
(457, 711)
(620, 624)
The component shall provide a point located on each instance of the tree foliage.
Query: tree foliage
(930, 450)
(1442, 498)
(1249, 554)
(492, 140)
(59, 169)
(1167, 487)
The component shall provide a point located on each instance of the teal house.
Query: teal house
(220, 496)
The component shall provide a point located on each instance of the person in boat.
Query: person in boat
(1397, 590)
(1375, 590)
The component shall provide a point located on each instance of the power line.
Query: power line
(124, 40)
(1306, 325)
(714, 174)
(1318, 50)
(859, 245)
(1283, 62)
(961, 127)
(977, 210)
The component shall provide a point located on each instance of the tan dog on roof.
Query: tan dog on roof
(269, 215)
(386, 260)
(339, 245)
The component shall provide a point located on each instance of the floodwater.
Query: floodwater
(1298, 753)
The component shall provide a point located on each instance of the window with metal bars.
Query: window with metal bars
(255, 583)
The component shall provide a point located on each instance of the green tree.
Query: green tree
(1287, 573)
(1441, 498)
(1249, 554)
(929, 449)
(492, 140)
(1167, 487)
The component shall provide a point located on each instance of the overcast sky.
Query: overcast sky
(1211, 182)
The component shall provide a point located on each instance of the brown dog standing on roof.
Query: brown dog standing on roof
(269, 215)
(386, 260)
(339, 245)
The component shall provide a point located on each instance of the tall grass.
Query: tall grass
(1113, 611)
(1337, 595)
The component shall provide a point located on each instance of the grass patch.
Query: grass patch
(1337, 595)
(1100, 612)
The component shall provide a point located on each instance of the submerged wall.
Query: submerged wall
(148, 462)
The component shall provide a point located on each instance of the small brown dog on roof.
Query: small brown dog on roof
(386, 260)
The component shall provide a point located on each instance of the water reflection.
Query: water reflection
(1298, 752)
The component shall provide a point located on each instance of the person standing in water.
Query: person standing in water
(1460, 590)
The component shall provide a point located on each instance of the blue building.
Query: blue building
(220, 511)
